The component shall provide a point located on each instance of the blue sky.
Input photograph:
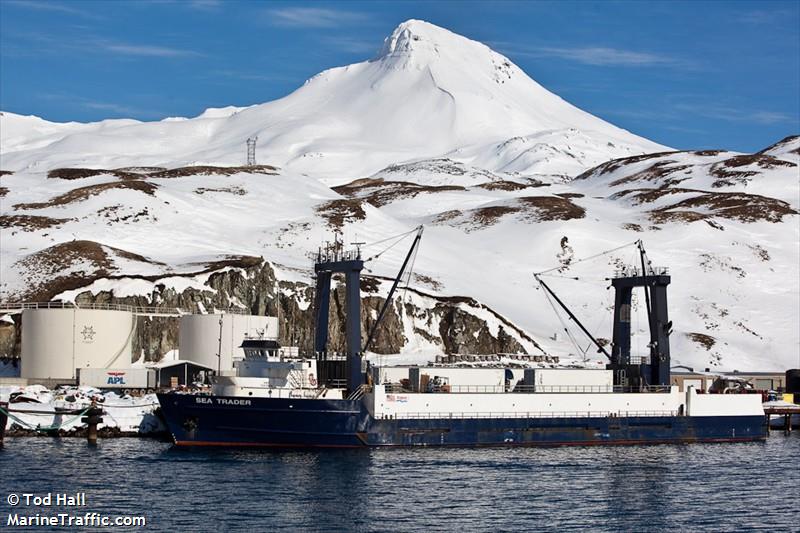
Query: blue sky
(685, 74)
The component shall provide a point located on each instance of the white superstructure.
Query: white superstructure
(386, 404)
(274, 378)
(543, 392)
(477, 393)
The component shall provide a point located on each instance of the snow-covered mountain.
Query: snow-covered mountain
(429, 92)
(508, 178)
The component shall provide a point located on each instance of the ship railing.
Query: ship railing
(558, 389)
(135, 309)
(359, 392)
(631, 271)
(330, 356)
(533, 414)
(396, 388)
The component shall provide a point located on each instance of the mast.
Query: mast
(330, 260)
(640, 245)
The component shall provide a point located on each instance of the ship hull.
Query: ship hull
(277, 422)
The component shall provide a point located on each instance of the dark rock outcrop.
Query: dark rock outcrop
(446, 322)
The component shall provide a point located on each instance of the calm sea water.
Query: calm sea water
(719, 487)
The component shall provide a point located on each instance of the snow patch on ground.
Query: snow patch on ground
(127, 413)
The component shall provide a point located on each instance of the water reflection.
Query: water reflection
(652, 488)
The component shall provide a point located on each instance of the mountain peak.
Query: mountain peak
(418, 37)
(430, 93)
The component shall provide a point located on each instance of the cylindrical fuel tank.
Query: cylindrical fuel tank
(201, 337)
(55, 342)
(793, 381)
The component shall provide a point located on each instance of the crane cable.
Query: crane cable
(587, 258)
(603, 322)
(389, 238)
(563, 324)
(399, 238)
(410, 273)
(575, 278)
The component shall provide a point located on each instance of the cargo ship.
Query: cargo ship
(329, 400)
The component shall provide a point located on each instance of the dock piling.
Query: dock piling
(3, 421)
(92, 419)
(785, 411)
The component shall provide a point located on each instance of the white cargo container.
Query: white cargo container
(460, 379)
(119, 378)
(389, 374)
(569, 379)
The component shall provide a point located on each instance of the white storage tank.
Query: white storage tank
(55, 342)
(199, 337)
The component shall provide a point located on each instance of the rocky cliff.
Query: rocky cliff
(450, 324)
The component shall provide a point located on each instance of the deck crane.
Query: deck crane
(655, 369)
(330, 259)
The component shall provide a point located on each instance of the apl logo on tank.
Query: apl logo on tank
(116, 378)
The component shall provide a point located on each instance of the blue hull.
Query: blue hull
(263, 422)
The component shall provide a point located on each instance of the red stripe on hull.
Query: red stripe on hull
(189, 443)
(201, 443)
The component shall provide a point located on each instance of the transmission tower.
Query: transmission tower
(251, 151)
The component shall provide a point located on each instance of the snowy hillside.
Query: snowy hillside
(507, 178)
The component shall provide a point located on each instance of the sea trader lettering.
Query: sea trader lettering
(222, 401)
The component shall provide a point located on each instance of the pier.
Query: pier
(3, 421)
(786, 411)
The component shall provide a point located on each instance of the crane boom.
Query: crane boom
(600, 347)
(394, 287)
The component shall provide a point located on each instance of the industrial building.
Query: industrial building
(59, 339)
(763, 381)
(172, 374)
